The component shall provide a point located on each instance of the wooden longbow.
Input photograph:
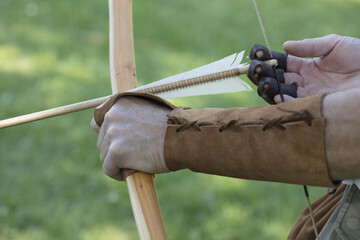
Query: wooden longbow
(141, 187)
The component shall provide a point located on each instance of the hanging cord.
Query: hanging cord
(283, 100)
(311, 213)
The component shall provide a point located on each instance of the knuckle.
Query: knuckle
(112, 149)
(334, 36)
(115, 132)
(111, 164)
(114, 115)
(110, 116)
(106, 170)
(116, 152)
(112, 133)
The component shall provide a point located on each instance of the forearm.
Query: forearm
(310, 141)
(342, 133)
(341, 139)
(282, 143)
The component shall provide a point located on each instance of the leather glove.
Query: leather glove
(270, 80)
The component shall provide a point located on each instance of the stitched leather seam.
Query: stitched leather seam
(235, 125)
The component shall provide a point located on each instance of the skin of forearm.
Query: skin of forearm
(342, 134)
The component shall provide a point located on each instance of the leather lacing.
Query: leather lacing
(236, 125)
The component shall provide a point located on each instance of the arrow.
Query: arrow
(186, 84)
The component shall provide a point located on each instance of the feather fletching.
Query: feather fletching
(233, 84)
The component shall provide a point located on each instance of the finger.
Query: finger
(102, 133)
(95, 126)
(104, 148)
(101, 136)
(287, 98)
(301, 92)
(110, 168)
(118, 176)
(294, 77)
(294, 64)
(313, 47)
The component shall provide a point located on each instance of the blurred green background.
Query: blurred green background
(56, 52)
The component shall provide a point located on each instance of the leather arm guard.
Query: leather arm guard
(280, 143)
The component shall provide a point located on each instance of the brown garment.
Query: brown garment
(322, 208)
(280, 143)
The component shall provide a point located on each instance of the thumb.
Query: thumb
(95, 126)
(313, 47)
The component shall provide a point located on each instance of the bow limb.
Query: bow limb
(141, 187)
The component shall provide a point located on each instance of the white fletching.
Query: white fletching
(233, 84)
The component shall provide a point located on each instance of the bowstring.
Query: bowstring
(262, 26)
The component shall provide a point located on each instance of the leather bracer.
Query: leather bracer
(281, 143)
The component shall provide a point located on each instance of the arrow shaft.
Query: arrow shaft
(75, 107)
(186, 83)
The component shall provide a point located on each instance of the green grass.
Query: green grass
(56, 52)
